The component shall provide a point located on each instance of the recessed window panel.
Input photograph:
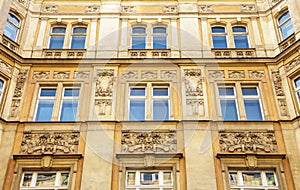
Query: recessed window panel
(56, 42)
(10, 31)
(69, 92)
(285, 25)
(159, 42)
(250, 91)
(252, 109)
(297, 82)
(220, 41)
(79, 30)
(284, 17)
(226, 91)
(59, 30)
(160, 91)
(44, 110)
(48, 92)
(149, 178)
(241, 41)
(137, 110)
(69, 110)
(138, 42)
(160, 110)
(229, 110)
(78, 42)
(137, 92)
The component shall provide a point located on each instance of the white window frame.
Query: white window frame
(45, 98)
(240, 34)
(138, 34)
(280, 25)
(18, 27)
(68, 98)
(219, 34)
(78, 35)
(142, 86)
(252, 97)
(159, 35)
(57, 34)
(153, 98)
(233, 97)
(2, 90)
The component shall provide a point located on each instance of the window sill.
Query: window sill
(10, 43)
(234, 52)
(287, 42)
(64, 53)
(149, 53)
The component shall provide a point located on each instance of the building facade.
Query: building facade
(150, 95)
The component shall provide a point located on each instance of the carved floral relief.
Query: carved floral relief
(104, 83)
(256, 74)
(5, 67)
(277, 81)
(236, 74)
(61, 74)
(20, 83)
(216, 74)
(41, 75)
(193, 82)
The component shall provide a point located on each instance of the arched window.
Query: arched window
(219, 37)
(138, 37)
(12, 27)
(78, 38)
(57, 37)
(159, 37)
(285, 25)
(240, 36)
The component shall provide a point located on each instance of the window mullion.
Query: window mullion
(149, 101)
(57, 102)
(149, 44)
(240, 102)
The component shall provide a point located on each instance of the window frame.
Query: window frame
(52, 34)
(257, 97)
(39, 98)
(296, 90)
(219, 34)
(132, 35)
(2, 89)
(78, 35)
(17, 27)
(246, 34)
(63, 98)
(153, 35)
(284, 23)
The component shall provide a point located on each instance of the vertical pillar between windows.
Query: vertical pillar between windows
(294, 8)
(91, 46)
(240, 102)
(56, 110)
(230, 40)
(205, 38)
(67, 37)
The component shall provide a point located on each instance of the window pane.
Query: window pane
(79, 30)
(45, 179)
(69, 92)
(239, 29)
(218, 29)
(78, 42)
(297, 82)
(44, 110)
(12, 18)
(56, 42)
(137, 92)
(219, 42)
(27, 180)
(139, 30)
(138, 42)
(160, 30)
(160, 110)
(137, 110)
(159, 42)
(249, 91)
(69, 110)
(10, 31)
(226, 91)
(241, 41)
(271, 179)
(287, 29)
(233, 179)
(160, 92)
(252, 109)
(64, 179)
(130, 178)
(228, 109)
(284, 17)
(48, 92)
(59, 30)
(252, 179)
(149, 178)
(167, 178)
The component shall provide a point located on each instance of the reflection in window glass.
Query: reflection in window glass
(12, 27)
(285, 25)
(57, 38)
(69, 104)
(45, 104)
(78, 38)
(219, 38)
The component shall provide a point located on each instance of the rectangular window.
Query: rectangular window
(297, 89)
(219, 37)
(159, 38)
(252, 103)
(45, 104)
(137, 103)
(69, 104)
(57, 38)
(78, 38)
(2, 87)
(153, 179)
(240, 37)
(53, 180)
(228, 103)
(244, 180)
(160, 103)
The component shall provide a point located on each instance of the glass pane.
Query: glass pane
(27, 180)
(287, 29)
(160, 110)
(252, 109)
(69, 92)
(138, 42)
(270, 179)
(12, 18)
(1, 84)
(218, 29)
(45, 179)
(78, 42)
(167, 178)
(139, 30)
(137, 110)
(284, 17)
(56, 42)
(160, 30)
(297, 82)
(68, 110)
(149, 178)
(137, 92)
(226, 91)
(10, 31)
(233, 179)
(241, 42)
(239, 29)
(219, 42)
(44, 110)
(160, 92)
(249, 91)
(48, 92)
(252, 179)
(228, 109)
(64, 179)
(131, 178)
(59, 30)
(159, 42)
(79, 30)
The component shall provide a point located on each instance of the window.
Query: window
(149, 179)
(53, 180)
(250, 105)
(78, 38)
(12, 27)
(297, 88)
(240, 37)
(2, 86)
(138, 38)
(48, 98)
(285, 25)
(149, 98)
(219, 37)
(57, 37)
(159, 38)
(242, 180)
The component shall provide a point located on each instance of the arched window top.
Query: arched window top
(138, 30)
(239, 29)
(12, 18)
(285, 16)
(79, 30)
(59, 29)
(218, 29)
(159, 30)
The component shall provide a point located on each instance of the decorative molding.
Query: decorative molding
(15, 108)
(277, 81)
(104, 83)
(236, 74)
(128, 9)
(216, 74)
(292, 64)
(283, 107)
(20, 83)
(170, 9)
(195, 107)
(168, 74)
(130, 75)
(193, 82)
(256, 74)
(50, 143)
(5, 67)
(104, 106)
(149, 142)
(248, 142)
(251, 161)
(41, 75)
(149, 74)
(61, 74)
(47, 162)
(50, 8)
(92, 9)
(248, 8)
(149, 161)
(205, 8)
(81, 75)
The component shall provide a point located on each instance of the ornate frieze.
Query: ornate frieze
(193, 82)
(92, 9)
(130, 75)
(15, 108)
(149, 74)
(61, 74)
(104, 106)
(104, 83)
(81, 75)
(5, 67)
(248, 142)
(283, 107)
(20, 83)
(50, 8)
(205, 8)
(128, 9)
(168, 74)
(292, 64)
(248, 8)
(41, 75)
(50, 143)
(149, 142)
(236, 74)
(170, 9)
(256, 74)
(216, 74)
(277, 81)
